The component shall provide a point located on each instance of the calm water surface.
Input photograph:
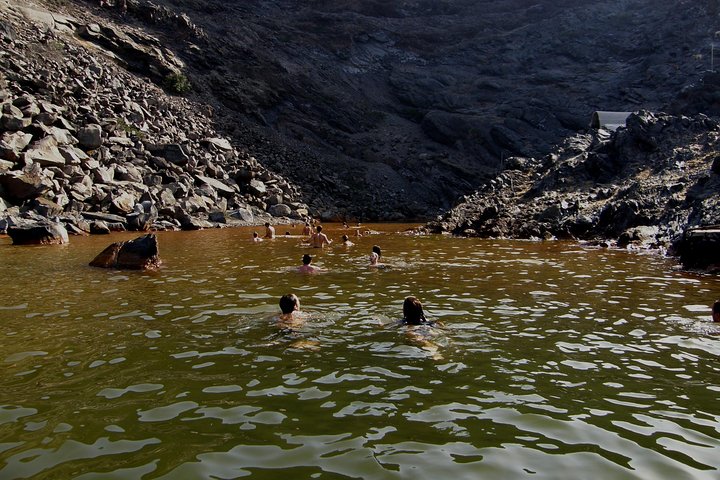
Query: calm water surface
(554, 362)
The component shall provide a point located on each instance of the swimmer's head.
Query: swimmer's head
(289, 303)
(374, 258)
(307, 259)
(377, 250)
(413, 311)
(345, 238)
(319, 228)
(255, 234)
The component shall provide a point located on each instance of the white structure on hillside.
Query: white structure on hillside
(609, 120)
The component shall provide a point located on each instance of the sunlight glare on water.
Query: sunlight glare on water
(552, 361)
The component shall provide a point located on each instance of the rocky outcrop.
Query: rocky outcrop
(639, 187)
(80, 135)
(141, 253)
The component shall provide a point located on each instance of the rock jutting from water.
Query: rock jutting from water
(142, 253)
(81, 137)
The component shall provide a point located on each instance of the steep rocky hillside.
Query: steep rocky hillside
(394, 108)
(85, 142)
(359, 108)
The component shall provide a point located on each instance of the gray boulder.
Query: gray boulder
(144, 215)
(98, 227)
(90, 136)
(280, 210)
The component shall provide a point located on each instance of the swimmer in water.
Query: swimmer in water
(414, 316)
(269, 230)
(306, 267)
(290, 319)
(319, 239)
(256, 238)
(413, 313)
(375, 256)
(346, 241)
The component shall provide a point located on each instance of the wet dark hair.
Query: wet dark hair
(307, 259)
(288, 303)
(255, 234)
(267, 224)
(377, 250)
(716, 306)
(345, 238)
(413, 311)
(319, 228)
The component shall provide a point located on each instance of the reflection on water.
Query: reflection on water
(552, 360)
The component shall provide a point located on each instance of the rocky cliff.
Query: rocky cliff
(375, 110)
(392, 109)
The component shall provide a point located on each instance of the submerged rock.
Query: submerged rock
(141, 253)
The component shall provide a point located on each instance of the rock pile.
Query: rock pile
(86, 143)
(640, 187)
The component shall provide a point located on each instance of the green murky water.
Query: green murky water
(554, 362)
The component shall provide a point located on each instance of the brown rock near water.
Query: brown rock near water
(141, 253)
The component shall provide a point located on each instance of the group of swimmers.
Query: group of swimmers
(319, 240)
(413, 313)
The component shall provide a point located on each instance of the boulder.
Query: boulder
(45, 207)
(280, 210)
(37, 233)
(219, 186)
(144, 215)
(639, 237)
(699, 248)
(45, 153)
(141, 253)
(243, 214)
(124, 203)
(98, 227)
(188, 222)
(21, 186)
(174, 154)
(257, 187)
(12, 143)
(220, 143)
(106, 217)
(90, 136)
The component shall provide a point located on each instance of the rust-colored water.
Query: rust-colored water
(555, 361)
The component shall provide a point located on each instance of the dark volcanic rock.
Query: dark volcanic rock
(45, 233)
(699, 248)
(388, 99)
(141, 253)
(641, 186)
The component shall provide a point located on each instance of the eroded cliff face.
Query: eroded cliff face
(393, 109)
